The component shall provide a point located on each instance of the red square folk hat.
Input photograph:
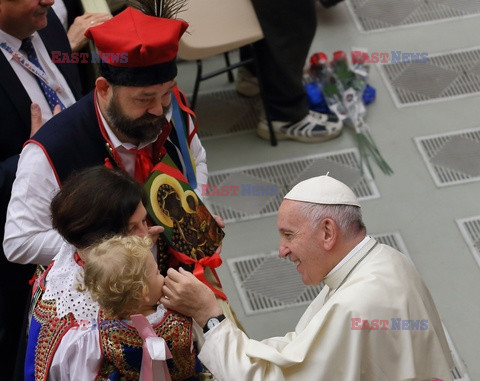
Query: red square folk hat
(136, 49)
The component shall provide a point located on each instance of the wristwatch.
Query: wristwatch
(213, 322)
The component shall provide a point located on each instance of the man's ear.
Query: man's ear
(104, 88)
(329, 230)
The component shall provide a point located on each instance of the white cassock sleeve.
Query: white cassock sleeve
(29, 237)
(78, 356)
(230, 355)
(325, 344)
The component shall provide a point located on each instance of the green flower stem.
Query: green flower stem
(367, 148)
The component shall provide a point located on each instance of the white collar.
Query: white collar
(155, 317)
(15, 43)
(12, 41)
(61, 286)
(350, 255)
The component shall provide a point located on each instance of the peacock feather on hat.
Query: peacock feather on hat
(160, 8)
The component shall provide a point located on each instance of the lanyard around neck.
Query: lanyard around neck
(25, 62)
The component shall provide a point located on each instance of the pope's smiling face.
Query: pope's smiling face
(302, 243)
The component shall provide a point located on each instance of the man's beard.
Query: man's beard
(144, 129)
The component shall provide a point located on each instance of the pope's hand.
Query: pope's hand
(184, 293)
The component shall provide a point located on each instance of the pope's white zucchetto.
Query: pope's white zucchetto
(323, 190)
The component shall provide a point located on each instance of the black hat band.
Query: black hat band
(139, 76)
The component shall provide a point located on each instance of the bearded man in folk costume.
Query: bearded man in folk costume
(135, 115)
(132, 118)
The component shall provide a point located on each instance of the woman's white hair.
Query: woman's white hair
(347, 217)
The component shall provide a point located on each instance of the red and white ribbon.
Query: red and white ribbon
(155, 352)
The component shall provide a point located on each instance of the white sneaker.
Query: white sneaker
(246, 83)
(313, 128)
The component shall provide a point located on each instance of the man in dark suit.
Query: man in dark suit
(20, 19)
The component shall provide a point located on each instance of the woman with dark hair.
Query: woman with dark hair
(70, 336)
(96, 204)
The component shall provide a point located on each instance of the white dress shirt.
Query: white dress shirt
(61, 12)
(28, 79)
(29, 236)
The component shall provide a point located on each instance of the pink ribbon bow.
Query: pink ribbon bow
(155, 351)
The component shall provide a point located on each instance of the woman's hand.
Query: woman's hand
(154, 232)
(218, 220)
(76, 32)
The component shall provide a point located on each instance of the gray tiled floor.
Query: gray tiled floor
(410, 203)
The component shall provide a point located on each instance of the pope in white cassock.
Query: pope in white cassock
(373, 320)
